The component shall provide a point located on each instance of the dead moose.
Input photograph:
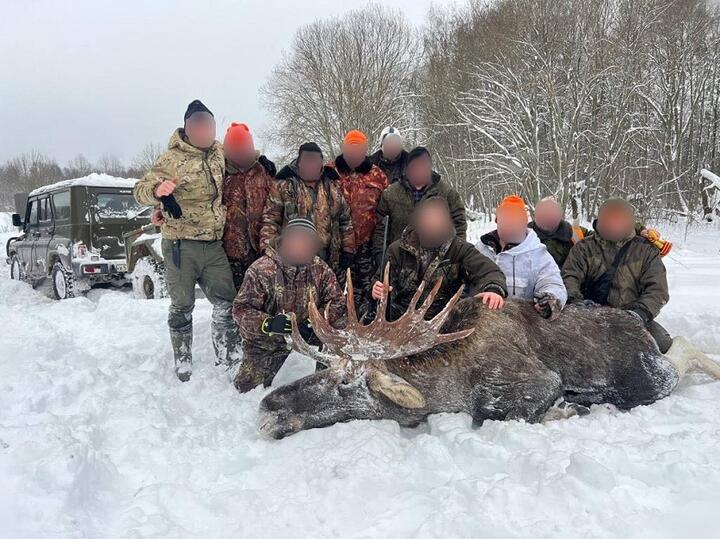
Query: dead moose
(502, 365)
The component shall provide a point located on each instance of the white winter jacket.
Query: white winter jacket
(529, 269)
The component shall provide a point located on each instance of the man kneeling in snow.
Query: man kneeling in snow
(529, 268)
(281, 282)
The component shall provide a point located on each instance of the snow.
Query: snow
(92, 180)
(98, 439)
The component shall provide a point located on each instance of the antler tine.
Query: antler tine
(324, 331)
(383, 301)
(352, 319)
(430, 297)
(301, 346)
(450, 337)
(439, 319)
(416, 297)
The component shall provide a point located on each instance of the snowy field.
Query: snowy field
(99, 439)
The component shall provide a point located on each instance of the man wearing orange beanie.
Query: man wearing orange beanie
(248, 178)
(530, 270)
(362, 184)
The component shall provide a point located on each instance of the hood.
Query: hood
(530, 243)
(343, 167)
(177, 140)
(563, 232)
(379, 158)
(289, 172)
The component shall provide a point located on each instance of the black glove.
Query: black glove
(346, 260)
(306, 330)
(547, 305)
(641, 314)
(276, 325)
(171, 206)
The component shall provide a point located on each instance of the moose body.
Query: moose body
(514, 365)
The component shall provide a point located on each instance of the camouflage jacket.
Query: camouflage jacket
(244, 195)
(199, 174)
(457, 262)
(394, 170)
(323, 203)
(640, 281)
(559, 242)
(362, 188)
(398, 202)
(271, 287)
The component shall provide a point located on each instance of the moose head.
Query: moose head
(357, 383)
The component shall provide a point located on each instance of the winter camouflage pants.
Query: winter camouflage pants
(362, 272)
(261, 362)
(203, 263)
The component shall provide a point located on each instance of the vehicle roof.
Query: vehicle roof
(92, 180)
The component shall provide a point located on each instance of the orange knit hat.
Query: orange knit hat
(355, 137)
(238, 136)
(512, 205)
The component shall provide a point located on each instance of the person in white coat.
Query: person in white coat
(529, 268)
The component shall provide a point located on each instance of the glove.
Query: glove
(171, 206)
(306, 330)
(641, 314)
(583, 302)
(346, 260)
(276, 325)
(547, 305)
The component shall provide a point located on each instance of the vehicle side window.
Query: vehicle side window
(45, 212)
(32, 220)
(61, 203)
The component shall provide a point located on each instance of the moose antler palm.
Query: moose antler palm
(380, 339)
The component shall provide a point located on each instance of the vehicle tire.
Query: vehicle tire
(63, 282)
(17, 273)
(148, 279)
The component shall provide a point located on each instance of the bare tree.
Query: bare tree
(147, 157)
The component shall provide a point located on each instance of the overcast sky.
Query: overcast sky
(97, 76)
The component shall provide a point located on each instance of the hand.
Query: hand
(377, 290)
(346, 260)
(547, 305)
(491, 299)
(165, 188)
(276, 325)
(156, 217)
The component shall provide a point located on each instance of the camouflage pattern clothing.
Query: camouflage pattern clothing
(456, 261)
(199, 175)
(398, 202)
(322, 202)
(395, 169)
(271, 287)
(244, 195)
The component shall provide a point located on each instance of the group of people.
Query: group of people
(261, 243)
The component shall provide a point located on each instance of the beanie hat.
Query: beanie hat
(309, 147)
(512, 205)
(196, 106)
(301, 223)
(238, 136)
(355, 137)
(419, 151)
(389, 132)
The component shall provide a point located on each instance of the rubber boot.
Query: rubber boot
(182, 351)
(225, 336)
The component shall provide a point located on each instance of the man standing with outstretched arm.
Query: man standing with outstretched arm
(187, 180)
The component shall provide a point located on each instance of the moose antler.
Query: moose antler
(380, 339)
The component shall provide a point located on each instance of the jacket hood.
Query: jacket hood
(530, 243)
(177, 140)
(289, 171)
(563, 232)
(343, 167)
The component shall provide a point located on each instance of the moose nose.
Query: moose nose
(267, 423)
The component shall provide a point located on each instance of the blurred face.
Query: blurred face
(433, 225)
(298, 246)
(511, 226)
(310, 166)
(354, 154)
(243, 156)
(391, 147)
(548, 215)
(200, 130)
(616, 223)
(419, 171)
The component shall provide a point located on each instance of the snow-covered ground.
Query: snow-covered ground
(98, 439)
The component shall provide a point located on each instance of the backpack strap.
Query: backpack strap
(599, 289)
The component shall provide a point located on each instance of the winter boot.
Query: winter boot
(182, 350)
(225, 336)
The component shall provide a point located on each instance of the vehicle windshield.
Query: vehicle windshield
(114, 206)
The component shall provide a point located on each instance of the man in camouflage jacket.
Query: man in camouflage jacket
(187, 181)
(282, 281)
(640, 282)
(362, 185)
(248, 179)
(306, 189)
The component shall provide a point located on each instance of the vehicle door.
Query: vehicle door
(61, 241)
(31, 229)
(46, 227)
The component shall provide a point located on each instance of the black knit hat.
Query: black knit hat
(309, 147)
(301, 223)
(416, 152)
(196, 106)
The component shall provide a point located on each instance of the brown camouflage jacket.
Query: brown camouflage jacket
(323, 203)
(244, 195)
(199, 175)
(272, 287)
(362, 188)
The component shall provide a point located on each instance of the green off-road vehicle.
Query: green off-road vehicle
(76, 232)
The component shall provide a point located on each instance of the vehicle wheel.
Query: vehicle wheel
(17, 273)
(63, 282)
(148, 279)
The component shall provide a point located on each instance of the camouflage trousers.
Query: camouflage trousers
(362, 272)
(262, 360)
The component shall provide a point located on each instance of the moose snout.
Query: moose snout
(275, 423)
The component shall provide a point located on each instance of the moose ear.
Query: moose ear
(395, 388)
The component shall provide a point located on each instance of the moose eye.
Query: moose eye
(345, 381)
